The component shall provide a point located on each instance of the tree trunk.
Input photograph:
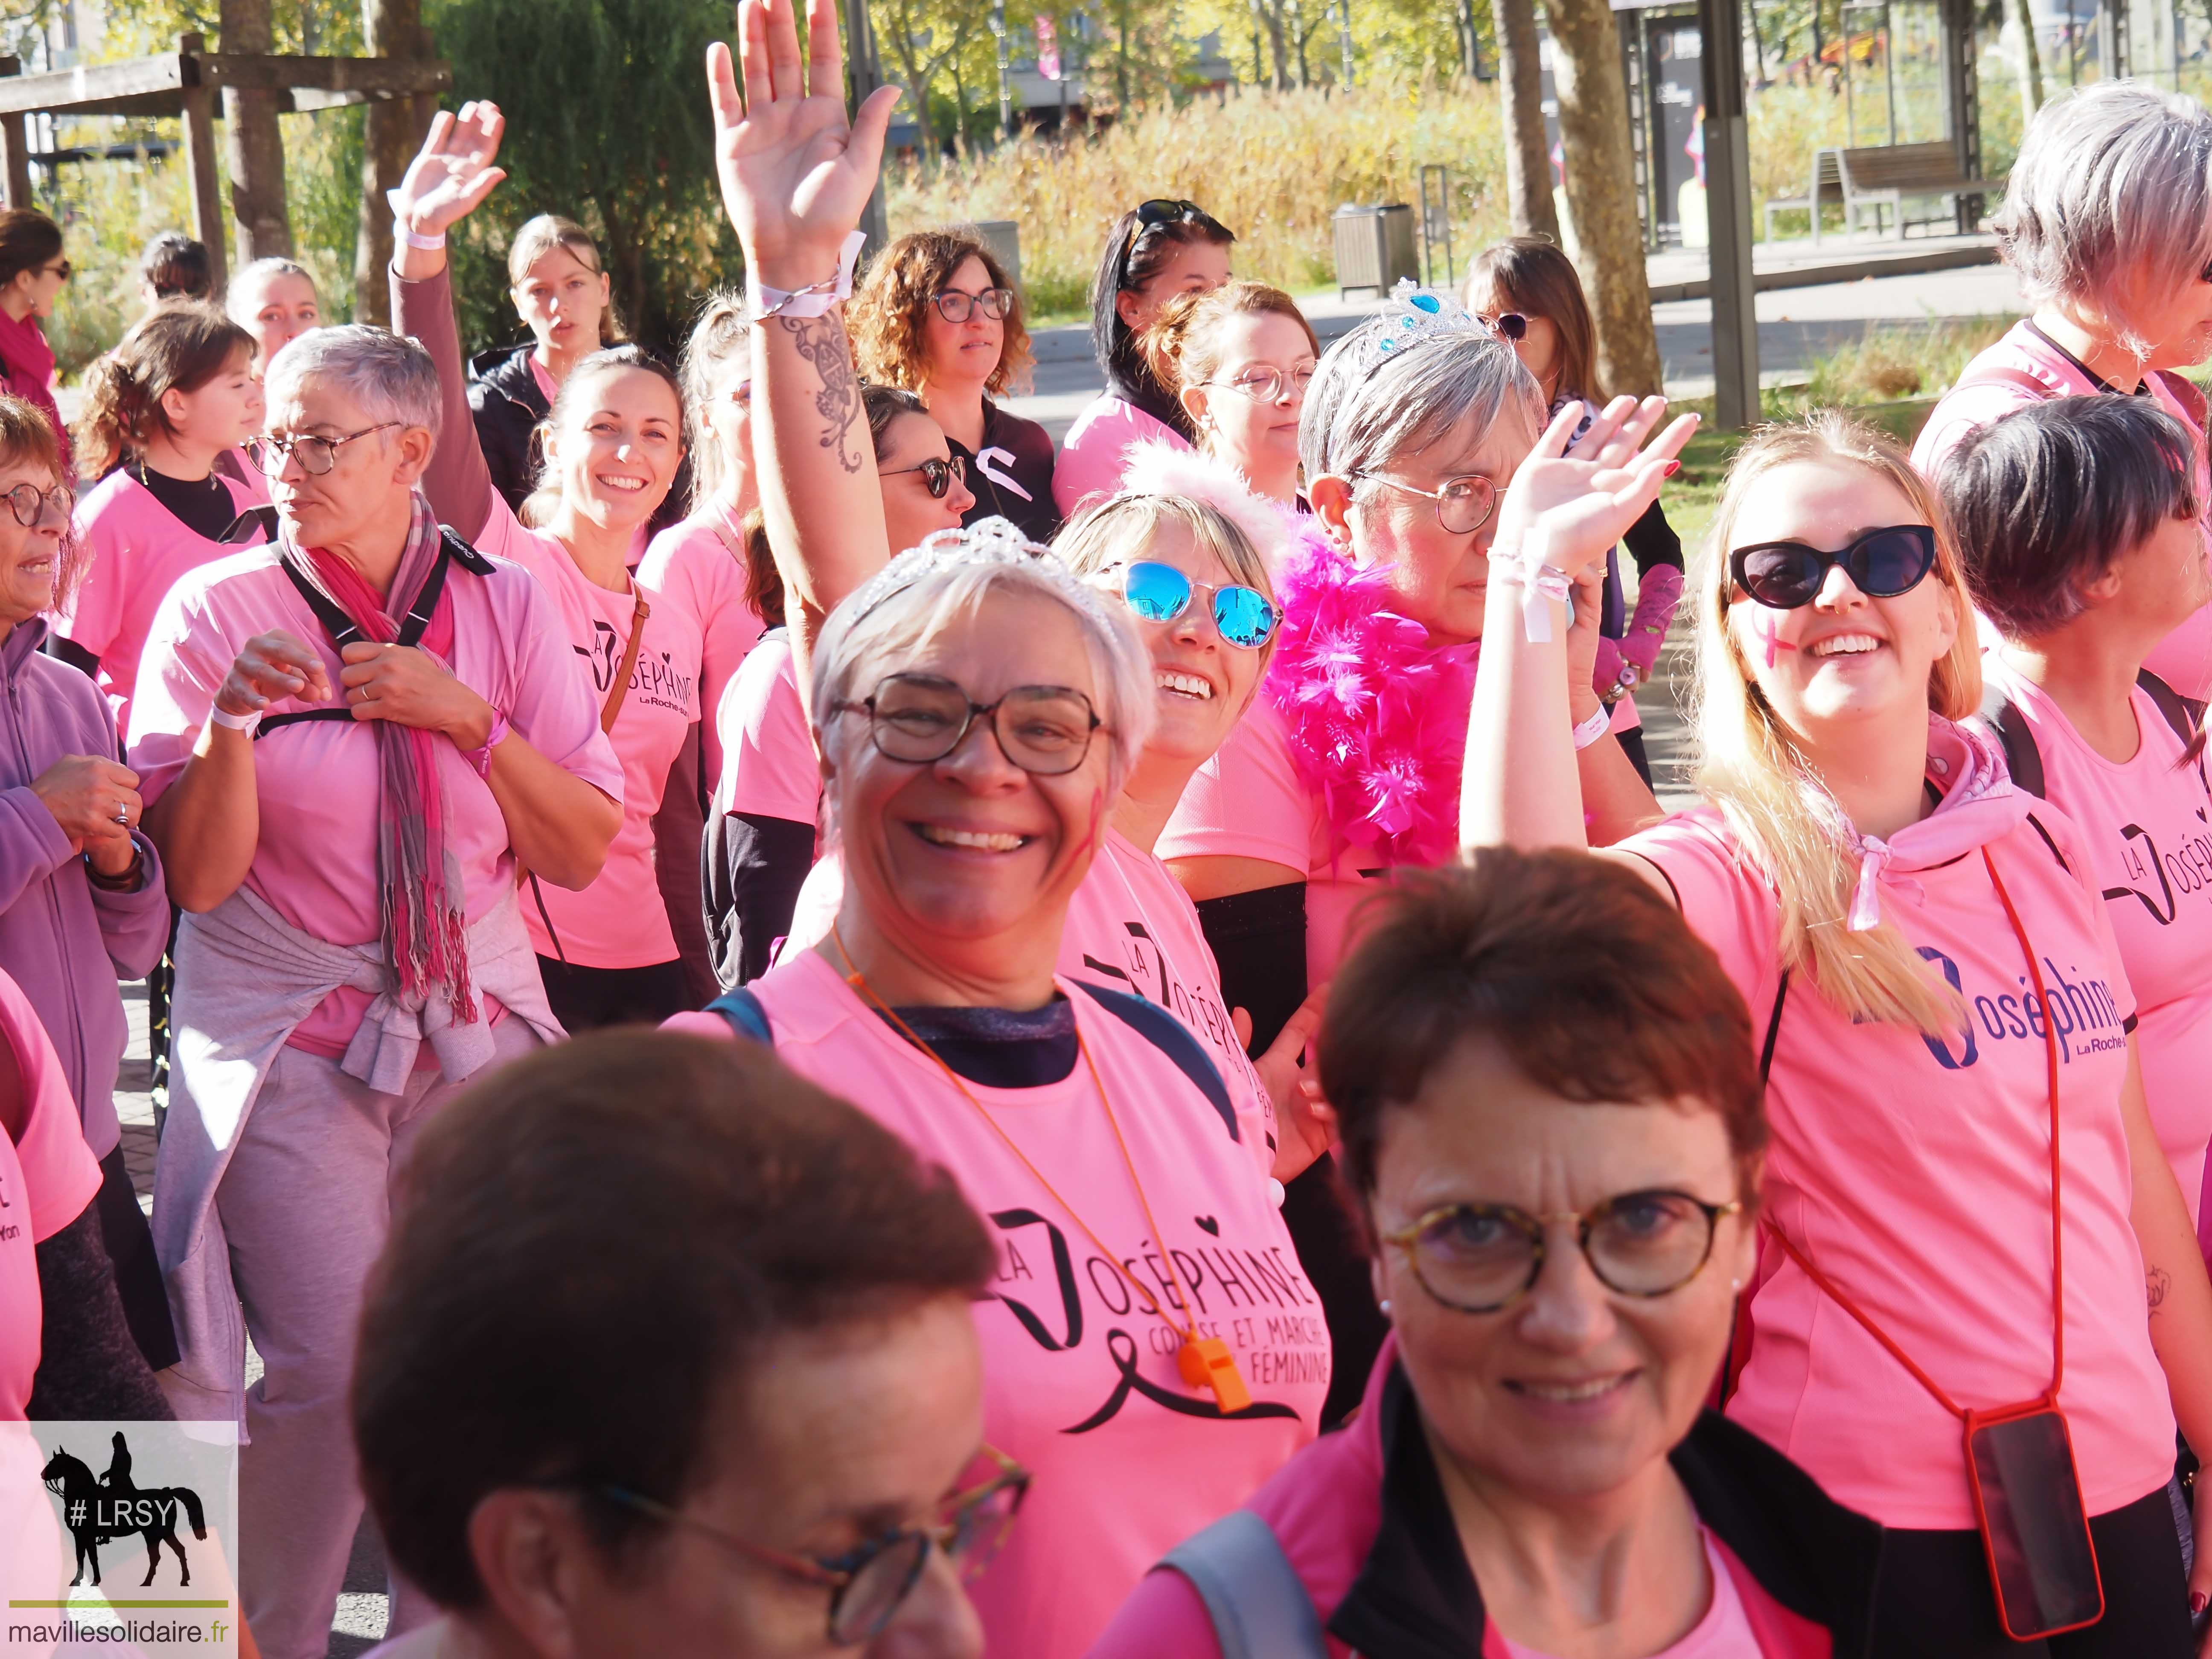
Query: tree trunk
(2031, 60)
(1281, 47)
(1604, 239)
(391, 131)
(1520, 101)
(253, 146)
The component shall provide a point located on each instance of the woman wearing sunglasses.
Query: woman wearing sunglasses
(33, 270)
(771, 1447)
(936, 315)
(2107, 226)
(1931, 971)
(1552, 1139)
(1156, 250)
(1238, 359)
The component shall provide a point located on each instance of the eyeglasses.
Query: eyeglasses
(956, 306)
(1160, 593)
(28, 503)
(1882, 564)
(919, 719)
(1507, 324)
(1481, 1258)
(316, 455)
(937, 474)
(1151, 215)
(1264, 383)
(1463, 505)
(868, 1585)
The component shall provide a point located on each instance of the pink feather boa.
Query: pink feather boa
(1377, 716)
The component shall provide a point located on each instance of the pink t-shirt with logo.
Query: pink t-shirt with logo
(769, 768)
(2146, 825)
(695, 571)
(317, 782)
(1080, 1383)
(135, 550)
(2025, 368)
(48, 1176)
(1916, 1173)
(620, 921)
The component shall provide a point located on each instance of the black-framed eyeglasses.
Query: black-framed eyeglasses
(1882, 564)
(937, 473)
(1482, 1258)
(957, 306)
(28, 503)
(1463, 505)
(919, 719)
(317, 455)
(1151, 215)
(868, 1584)
(1263, 383)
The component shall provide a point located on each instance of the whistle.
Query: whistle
(1207, 1363)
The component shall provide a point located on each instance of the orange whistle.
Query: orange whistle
(1207, 1363)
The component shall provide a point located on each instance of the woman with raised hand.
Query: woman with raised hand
(347, 743)
(274, 300)
(1931, 971)
(937, 316)
(978, 709)
(160, 410)
(612, 444)
(2107, 225)
(565, 299)
(1238, 359)
(1153, 252)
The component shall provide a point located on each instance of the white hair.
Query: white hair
(946, 579)
(2111, 201)
(391, 377)
(1362, 414)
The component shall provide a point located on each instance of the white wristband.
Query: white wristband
(1593, 728)
(245, 723)
(428, 244)
(816, 298)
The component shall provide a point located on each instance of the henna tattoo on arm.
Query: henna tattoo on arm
(2156, 1283)
(822, 343)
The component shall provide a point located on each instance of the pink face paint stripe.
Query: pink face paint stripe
(1770, 631)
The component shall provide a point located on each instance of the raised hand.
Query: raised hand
(1570, 509)
(796, 173)
(453, 174)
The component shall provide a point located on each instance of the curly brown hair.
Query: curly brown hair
(887, 312)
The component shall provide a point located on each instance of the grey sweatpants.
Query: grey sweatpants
(305, 1206)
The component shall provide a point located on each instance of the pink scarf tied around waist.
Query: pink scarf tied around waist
(424, 910)
(1979, 805)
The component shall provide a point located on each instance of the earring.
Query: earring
(1734, 1285)
(1386, 1307)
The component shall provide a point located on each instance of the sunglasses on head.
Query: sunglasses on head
(1162, 210)
(1882, 564)
(937, 475)
(1159, 592)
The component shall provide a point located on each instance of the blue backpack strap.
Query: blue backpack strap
(746, 1015)
(1258, 1603)
(1172, 1038)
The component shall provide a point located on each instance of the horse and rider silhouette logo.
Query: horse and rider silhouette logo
(100, 1510)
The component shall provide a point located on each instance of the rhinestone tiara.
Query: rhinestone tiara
(1410, 315)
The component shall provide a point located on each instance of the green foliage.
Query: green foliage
(607, 122)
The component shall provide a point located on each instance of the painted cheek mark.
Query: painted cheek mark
(1769, 630)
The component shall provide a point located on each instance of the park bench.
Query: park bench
(1879, 178)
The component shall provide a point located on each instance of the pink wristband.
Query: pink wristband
(481, 758)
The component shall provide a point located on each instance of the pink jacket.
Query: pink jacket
(1361, 1515)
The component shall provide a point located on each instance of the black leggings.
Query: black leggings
(1934, 1600)
(585, 998)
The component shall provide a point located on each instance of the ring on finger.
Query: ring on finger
(122, 815)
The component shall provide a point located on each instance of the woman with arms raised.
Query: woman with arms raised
(342, 815)
(1932, 976)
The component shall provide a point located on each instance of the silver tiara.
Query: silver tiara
(1409, 316)
(987, 541)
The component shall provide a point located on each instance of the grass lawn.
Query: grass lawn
(1691, 494)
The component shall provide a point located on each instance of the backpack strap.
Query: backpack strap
(1259, 1605)
(747, 1018)
(2022, 758)
(2183, 713)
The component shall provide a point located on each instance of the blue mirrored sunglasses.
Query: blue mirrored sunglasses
(1160, 592)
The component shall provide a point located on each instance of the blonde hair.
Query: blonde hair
(1120, 529)
(541, 236)
(1756, 771)
(722, 335)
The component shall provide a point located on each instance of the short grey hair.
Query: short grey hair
(1359, 416)
(391, 378)
(917, 594)
(2111, 198)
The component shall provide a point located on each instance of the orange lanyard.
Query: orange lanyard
(1203, 1361)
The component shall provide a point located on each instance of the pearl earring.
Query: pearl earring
(1734, 1285)
(1386, 1307)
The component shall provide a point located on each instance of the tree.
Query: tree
(1520, 101)
(393, 129)
(922, 37)
(1604, 238)
(2031, 60)
(253, 144)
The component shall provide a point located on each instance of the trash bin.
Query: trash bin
(1004, 238)
(1375, 247)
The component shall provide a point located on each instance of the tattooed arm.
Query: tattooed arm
(795, 176)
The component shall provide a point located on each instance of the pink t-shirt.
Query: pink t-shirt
(2025, 367)
(136, 548)
(1095, 452)
(2144, 824)
(1080, 1383)
(620, 921)
(317, 782)
(1724, 1632)
(48, 1176)
(695, 571)
(769, 768)
(1916, 1174)
(1249, 801)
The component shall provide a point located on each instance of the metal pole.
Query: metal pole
(1728, 204)
(1343, 36)
(866, 75)
(1006, 84)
